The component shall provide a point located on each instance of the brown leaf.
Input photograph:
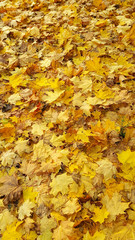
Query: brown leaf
(10, 189)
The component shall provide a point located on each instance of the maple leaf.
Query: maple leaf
(58, 216)
(38, 129)
(94, 101)
(40, 151)
(10, 189)
(106, 168)
(58, 203)
(7, 131)
(109, 125)
(87, 183)
(47, 235)
(63, 116)
(100, 214)
(123, 232)
(85, 84)
(47, 224)
(114, 205)
(63, 35)
(127, 158)
(130, 36)
(71, 207)
(14, 98)
(28, 168)
(22, 147)
(101, 23)
(78, 99)
(46, 62)
(28, 224)
(25, 209)
(8, 158)
(12, 231)
(61, 184)
(29, 194)
(83, 135)
(97, 236)
(52, 96)
(94, 65)
(6, 218)
(30, 236)
(105, 93)
(65, 231)
(17, 78)
(34, 31)
(57, 140)
(127, 172)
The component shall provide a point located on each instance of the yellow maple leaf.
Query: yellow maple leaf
(78, 99)
(123, 232)
(85, 84)
(87, 171)
(14, 119)
(25, 209)
(12, 231)
(127, 172)
(114, 205)
(112, 186)
(46, 62)
(14, 98)
(38, 129)
(28, 193)
(8, 158)
(7, 131)
(130, 36)
(22, 147)
(58, 216)
(101, 22)
(52, 96)
(83, 135)
(41, 81)
(47, 235)
(63, 116)
(61, 184)
(57, 140)
(30, 236)
(106, 168)
(94, 65)
(68, 47)
(78, 60)
(65, 231)
(17, 78)
(105, 93)
(6, 218)
(100, 214)
(40, 151)
(87, 183)
(63, 35)
(127, 157)
(71, 207)
(109, 125)
(94, 101)
(47, 224)
(96, 236)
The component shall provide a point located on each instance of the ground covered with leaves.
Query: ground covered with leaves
(67, 120)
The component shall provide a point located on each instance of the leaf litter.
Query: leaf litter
(67, 120)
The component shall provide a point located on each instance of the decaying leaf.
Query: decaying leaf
(10, 189)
